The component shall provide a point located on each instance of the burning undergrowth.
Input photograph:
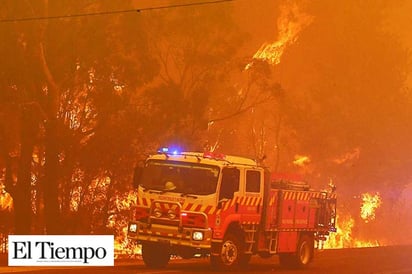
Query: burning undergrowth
(347, 234)
(379, 221)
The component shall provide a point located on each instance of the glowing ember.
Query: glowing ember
(369, 205)
(290, 23)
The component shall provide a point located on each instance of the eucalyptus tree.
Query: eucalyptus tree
(196, 47)
(68, 70)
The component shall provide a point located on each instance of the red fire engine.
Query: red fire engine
(228, 208)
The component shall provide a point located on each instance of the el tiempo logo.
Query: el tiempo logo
(61, 250)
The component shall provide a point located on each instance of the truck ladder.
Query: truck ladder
(250, 232)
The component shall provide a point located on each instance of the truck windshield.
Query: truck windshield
(185, 178)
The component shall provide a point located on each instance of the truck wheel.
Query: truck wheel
(155, 255)
(303, 255)
(304, 252)
(230, 254)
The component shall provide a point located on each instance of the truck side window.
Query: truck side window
(230, 183)
(252, 181)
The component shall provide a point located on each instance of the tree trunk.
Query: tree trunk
(51, 181)
(22, 195)
(50, 186)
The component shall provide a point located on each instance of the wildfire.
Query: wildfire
(344, 237)
(369, 206)
(290, 23)
(122, 245)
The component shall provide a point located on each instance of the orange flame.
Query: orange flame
(122, 246)
(6, 201)
(290, 23)
(343, 238)
(369, 206)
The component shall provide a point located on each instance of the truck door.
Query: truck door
(251, 204)
(230, 183)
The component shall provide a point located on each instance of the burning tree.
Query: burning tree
(369, 205)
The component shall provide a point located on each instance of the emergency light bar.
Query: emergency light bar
(177, 151)
(167, 150)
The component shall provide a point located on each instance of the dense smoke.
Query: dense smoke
(347, 103)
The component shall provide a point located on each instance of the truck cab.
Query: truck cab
(186, 201)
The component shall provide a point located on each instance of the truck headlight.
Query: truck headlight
(133, 228)
(157, 213)
(171, 214)
(197, 236)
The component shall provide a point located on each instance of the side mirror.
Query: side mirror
(138, 171)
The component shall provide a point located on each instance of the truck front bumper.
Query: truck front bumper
(199, 238)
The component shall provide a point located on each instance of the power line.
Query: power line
(8, 20)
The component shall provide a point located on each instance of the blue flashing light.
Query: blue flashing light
(167, 150)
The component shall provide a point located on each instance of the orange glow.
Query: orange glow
(343, 235)
(301, 160)
(344, 224)
(369, 205)
(75, 198)
(343, 238)
(78, 112)
(127, 201)
(349, 156)
(122, 246)
(6, 201)
(290, 23)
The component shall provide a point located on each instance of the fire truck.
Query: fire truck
(227, 208)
